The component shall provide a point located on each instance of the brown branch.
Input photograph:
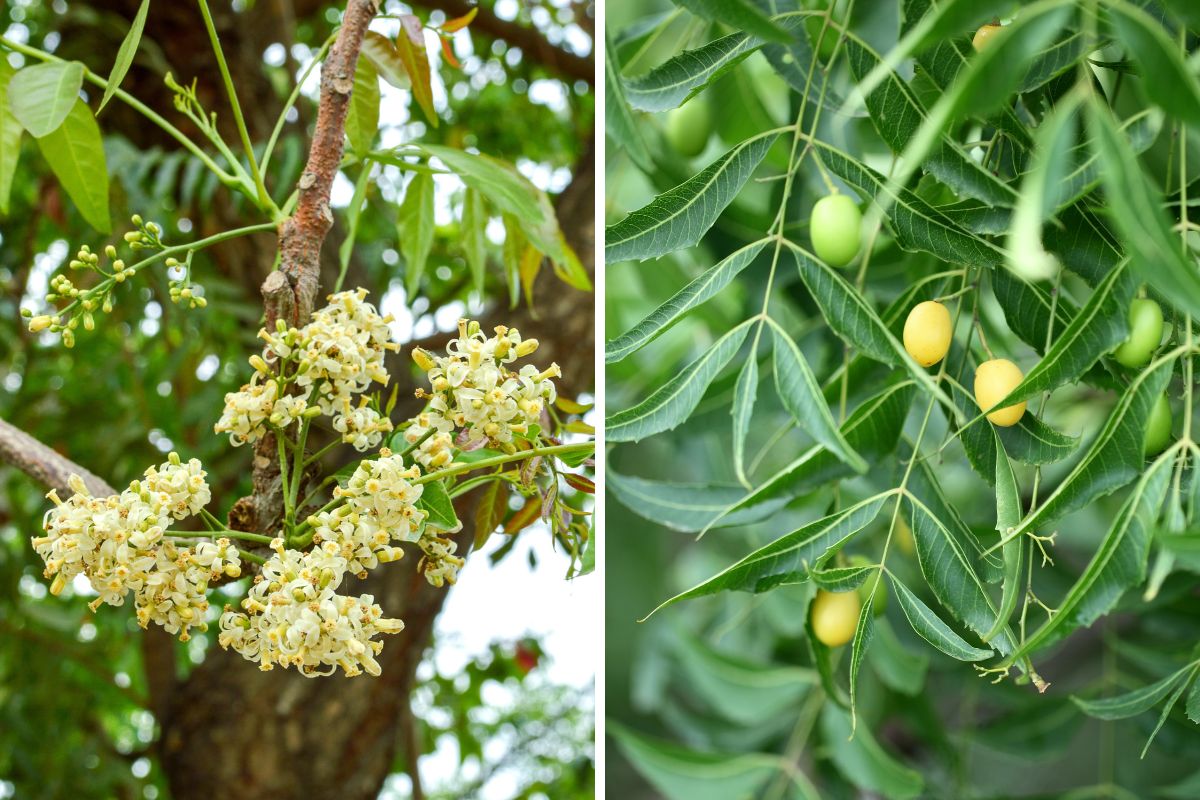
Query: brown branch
(44, 464)
(529, 39)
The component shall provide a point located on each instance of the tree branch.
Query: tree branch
(44, 464)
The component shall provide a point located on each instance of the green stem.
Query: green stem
(225, 532)
(317, 455)
(424, 437)
(251, 557)
(283, 475)
(264, 199)
(459, 469)
(298, 468)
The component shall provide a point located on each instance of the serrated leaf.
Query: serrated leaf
(42, 96)
(738, 14)
(930, 627)
(1030, 441)
(793, 61)
(125, 54)
(695, 293)
(1009, 511)
(474, 233)
(362, 118)
(801, 395)
(1192, 707)
(675, 401)
(416, 226)
(618, 118)
(75, 152)
(673, 82)
(1135, 702)
(687, 507)
(10, 137)
(679, 217)
(382, 54)
(787, 560)
(842, 579)
(864, 630)
(1165, 77)
(744, 393)
(918, 226)
(436, 500)
(410, 47)
(1136, 210)
(682, 774)
(1115, 456)
(862, 761)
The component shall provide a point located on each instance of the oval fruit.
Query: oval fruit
(993, 381)
(688, 128)
(835, 616)
(1158, 427)
(836, 229)
(1145, 333)
(880, 601)
(904, 537)
(927, 332)
(984, 36)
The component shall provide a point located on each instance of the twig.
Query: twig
(43, 463)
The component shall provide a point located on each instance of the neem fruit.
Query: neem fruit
(927, 332)
(836, 229)
(1145, 333)
(993, 381)
(984, 36)
(688, 127)
(1158, 427)
(879, 603)
(835, 616)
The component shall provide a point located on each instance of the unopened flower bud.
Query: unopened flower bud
(39, 323)
(526, 347)
(422, 358)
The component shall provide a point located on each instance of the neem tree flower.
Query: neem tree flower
(480, 414)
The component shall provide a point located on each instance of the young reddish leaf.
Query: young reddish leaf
(492, 507)
(410, 46)
(382, 54)
(581, 483)
(528, 515)
(448, 52)
(458, 23)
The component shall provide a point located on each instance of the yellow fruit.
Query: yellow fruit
(927, 332)
(835, 616)
(993, 381)
(984, 36)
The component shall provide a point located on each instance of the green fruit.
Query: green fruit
(879, 604)
(836, 229)
(1145, 333)
(1158, 427)
(688, 128)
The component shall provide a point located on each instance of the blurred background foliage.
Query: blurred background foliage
(719, 697)
(74, 691)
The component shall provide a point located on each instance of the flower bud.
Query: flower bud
(110, 251)
(39, 323)
(526, 347)
(422, 358)
(137, 218)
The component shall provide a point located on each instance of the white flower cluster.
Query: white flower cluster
(295, 617)
(476, 393)
(321, 366)
(119, 544)
(439, 564)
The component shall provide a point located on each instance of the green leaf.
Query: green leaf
(410, 47)
(745, 392)
(1101, 325)
(1114, 457)
(416, 229)
(618, 118)
(674, 82)
(75, 152)
(10, 137)
(863, 631)
(738, 14)
(742, 691)
(917, 226)
(794, 60)
(1027, 308)
(1165, 77)
(682, 774)
(897, 115)
(1056, 58)
(1193, 702)
(1136, 210)
(851, 317)
(679, 217)
(899, 668)
(675, 401)
(1009, 511)
(382, 54)
(862, 761)
(436, 500)
(1135, 702)
(125, 54)
(842, 579)
(474, 232)
(801, 396)
(43, 95)
(788, 559)
(362, 118)
(1118, 564)
(685, 507)
(930, 627)
(703, 288)
(1030, 441)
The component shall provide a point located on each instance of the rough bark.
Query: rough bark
(44, 464)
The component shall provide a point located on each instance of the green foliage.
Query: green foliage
(1036, 188)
